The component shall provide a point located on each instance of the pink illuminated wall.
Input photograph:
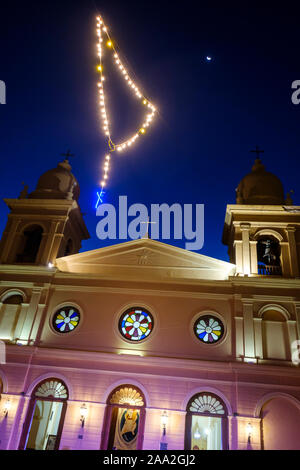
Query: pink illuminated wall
(281, 425)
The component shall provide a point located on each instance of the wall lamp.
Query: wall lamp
(249, 429)
(83, 414)
(6, 408)
(164, 421)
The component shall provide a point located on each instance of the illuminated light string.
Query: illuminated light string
(151, 110)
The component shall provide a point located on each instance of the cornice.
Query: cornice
(183, 364)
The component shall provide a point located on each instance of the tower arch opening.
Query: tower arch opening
(268, 256)
(29, 244)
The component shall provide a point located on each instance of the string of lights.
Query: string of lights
(103, 35)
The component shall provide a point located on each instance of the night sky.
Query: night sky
(211, 114)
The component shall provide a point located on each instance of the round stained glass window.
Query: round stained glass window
(209, 329)
(66, 319)
(136, 324)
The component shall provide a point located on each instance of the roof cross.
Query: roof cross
(147, 232)
(68, 154)
(257, 151)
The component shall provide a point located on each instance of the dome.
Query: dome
(58, 183)
(260, 187)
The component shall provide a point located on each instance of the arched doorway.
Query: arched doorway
(280, 424)
(206, 423)
(124, 419)
(45, 417)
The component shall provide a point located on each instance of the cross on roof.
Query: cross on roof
(257, 151)
(148, 222)
(67, 154)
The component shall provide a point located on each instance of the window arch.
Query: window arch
(206, 423)
(124, 419)
(275, 336)
(29, 244)
(13, 297)
(45, 417)
(268, 255)
(12, 301)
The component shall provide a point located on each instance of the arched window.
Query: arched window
(29, 244)
(268, 256)
(206, 423)
(14, 299)
(274, 335)
(9, 314)
(125, 419)
(45, 416)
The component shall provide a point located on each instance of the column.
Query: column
(30, 316)
(248, 330)
(258, 341)
(36, 323)
(19, 418)
(290, 231)
(297, 308)
(239, 337)
(49, 242)
(253, 257)
(292, 337)
(21, 321)
(10, 235)
(245, 229)
(232, 433)
(238, 246)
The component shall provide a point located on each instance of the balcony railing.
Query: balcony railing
(266, 270)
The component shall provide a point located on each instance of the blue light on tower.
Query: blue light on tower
(208, 58)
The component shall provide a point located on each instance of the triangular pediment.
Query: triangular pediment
(146, 259)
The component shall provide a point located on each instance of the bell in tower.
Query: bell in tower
(47, 223)
(262, 230)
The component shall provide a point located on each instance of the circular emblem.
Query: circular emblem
(66, 319)
(209, 329)
(135, 324)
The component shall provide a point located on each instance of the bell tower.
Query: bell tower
(45, 224)
(262, 230)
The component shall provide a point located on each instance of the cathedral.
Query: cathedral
(143, 345)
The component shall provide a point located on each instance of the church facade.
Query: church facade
(142, 345)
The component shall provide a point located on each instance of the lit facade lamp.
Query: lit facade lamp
(164, 421)
(83, 414)
(6, 408)
(249, 429)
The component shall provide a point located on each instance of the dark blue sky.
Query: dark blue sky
(211, 114)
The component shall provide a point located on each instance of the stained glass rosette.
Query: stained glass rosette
(66, 319)
(209, 329)
(136, 324)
